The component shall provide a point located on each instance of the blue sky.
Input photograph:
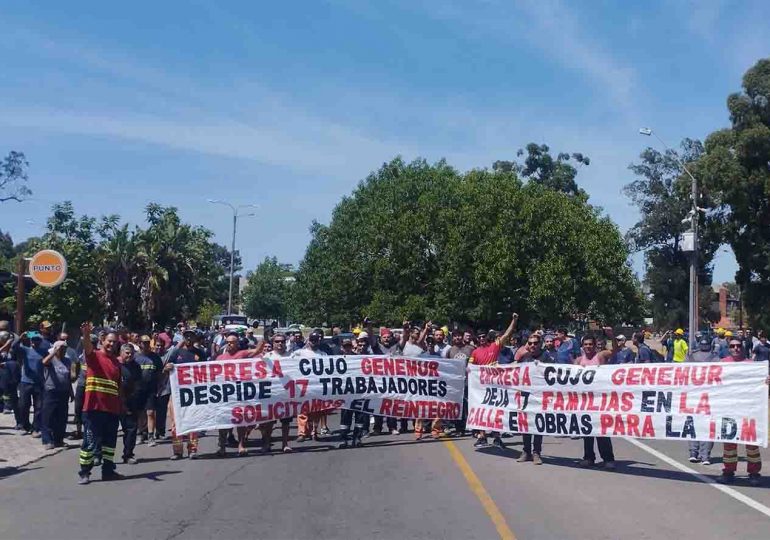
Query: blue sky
(288, 105)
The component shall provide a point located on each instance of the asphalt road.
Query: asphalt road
(393, 488)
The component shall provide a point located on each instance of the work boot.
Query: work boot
(726, 478)
(536, 460)
(344, 436)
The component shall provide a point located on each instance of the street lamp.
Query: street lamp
(236, 215)
(691, 243)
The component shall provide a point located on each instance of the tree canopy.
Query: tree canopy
(416, 240)
(540, 167)
(266, 295)
(736, 169)
(131, 276)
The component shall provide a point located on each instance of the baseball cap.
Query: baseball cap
(362, 335)
(189, 331)
(385, 332)
(620, 337)
(728, 333)
(704, 341)
(46, 324)
(33, 334)
(145, 338)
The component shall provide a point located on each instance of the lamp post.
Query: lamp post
(236, 215)
(691, 243)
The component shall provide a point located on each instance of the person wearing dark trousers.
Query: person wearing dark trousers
(161, 414)
(133, 397)
(30, 351)
(605, 451)
(10, 375)
(102, 406)
(347, 417)
(533, 447)
(57, 392)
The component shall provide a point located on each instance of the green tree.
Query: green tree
(13, 177)
(541, 168)
(735, 168)
(661, 192)
(77, 298)
(207, 311)
(6, 246)
(266, 295)
(423, 241)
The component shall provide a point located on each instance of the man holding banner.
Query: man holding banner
(730, 450)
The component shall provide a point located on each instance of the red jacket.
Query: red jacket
(102, 384)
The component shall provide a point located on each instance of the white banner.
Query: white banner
(687, 402)
(232, 393)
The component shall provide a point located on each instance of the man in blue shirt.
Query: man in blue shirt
(624, 355)
(565, 351)
(761, 349)
(29, 351)
(644, 353)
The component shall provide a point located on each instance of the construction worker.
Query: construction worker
(101, 406)
(680, 346)
(730, 450)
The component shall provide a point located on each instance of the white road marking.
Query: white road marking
(737, 495)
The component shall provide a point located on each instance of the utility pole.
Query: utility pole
(236, 215)
(232, 265)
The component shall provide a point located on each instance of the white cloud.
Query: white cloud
(320, 147)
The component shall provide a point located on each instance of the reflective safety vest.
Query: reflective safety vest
(102, 384)
(680, 350)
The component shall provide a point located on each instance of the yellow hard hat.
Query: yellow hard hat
(357, 330)
(679, 332)
(720, 330)
(445, 329)
(728, 333)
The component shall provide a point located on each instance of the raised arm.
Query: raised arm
(502, 340)
(85, 335)
(423, 335)
(404, 335)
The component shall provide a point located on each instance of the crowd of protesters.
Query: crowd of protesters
(120, 379)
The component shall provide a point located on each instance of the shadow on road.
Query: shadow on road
(7, 472)
(154, 476)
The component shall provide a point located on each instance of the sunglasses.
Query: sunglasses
(736, 346)
(533, 342)
(279, 341)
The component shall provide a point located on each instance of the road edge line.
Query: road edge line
(474, 483)
(737, 495)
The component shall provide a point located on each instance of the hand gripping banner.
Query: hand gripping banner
(232, 393)
(686, 402)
